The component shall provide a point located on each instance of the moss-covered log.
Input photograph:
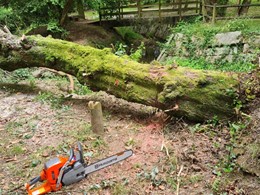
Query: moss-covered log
(193, 94)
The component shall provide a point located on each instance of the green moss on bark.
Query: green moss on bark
(199, 95)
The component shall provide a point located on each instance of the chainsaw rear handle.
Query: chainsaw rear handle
(34, 180)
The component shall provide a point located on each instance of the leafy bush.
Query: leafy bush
(194, 46)
(55, 28)
(128, 34)
(138, 54)
(11, 20)
(21, 14)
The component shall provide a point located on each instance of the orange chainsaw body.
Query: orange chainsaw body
(49, 174)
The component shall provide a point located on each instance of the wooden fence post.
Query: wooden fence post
(160, 14)
(214, 13)
(197, 6)
(200, 7)
(139, 8)
(99, 14)
(118, 9)
(97, 124)
(204, 11)
(180, 5)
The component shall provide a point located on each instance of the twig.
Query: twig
(166, 149)
(178, 180)
(6, 30)
(71, 87)
(14, 189)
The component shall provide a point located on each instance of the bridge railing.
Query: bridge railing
(231, 11)
(178, 9)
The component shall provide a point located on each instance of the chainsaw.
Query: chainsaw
(63, 171)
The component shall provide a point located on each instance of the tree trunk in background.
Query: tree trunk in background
(66, 9)
(182, 92)
(80, 8)
(243, 10)
(220, 11)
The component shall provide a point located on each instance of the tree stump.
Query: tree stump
(97, 124)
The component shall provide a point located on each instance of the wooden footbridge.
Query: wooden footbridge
(123, 13)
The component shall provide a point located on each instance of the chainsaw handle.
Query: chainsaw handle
(71, 155)
(34, 180)
(80, 153)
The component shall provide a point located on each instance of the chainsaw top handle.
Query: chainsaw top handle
(81, 159)
(71, 155)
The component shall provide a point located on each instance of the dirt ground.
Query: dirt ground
(174, 158)
(37, 124)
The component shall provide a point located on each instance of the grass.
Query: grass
(197, 46)
(199, 28)
(202, 64)
(128, 34)
(91, 15)
(47, 97)
(16, 150)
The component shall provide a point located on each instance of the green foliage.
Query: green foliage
(49, 98)
(111, 7)
(234, 130)
(16, 150)
(54, 27)
(138, 54)
(95, 4)
(10, 19)
(33, 12)
(216, 185)
(200, 63)
(23, 73)
(196, 49)
(128, 34)
(81, 89)
(145, 2)
(120, 49)
(152, 176)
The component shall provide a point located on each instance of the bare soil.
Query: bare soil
(169, 158)
(191, 156)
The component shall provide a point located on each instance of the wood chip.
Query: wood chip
(45, 154)
(10, 159)
(162, 187)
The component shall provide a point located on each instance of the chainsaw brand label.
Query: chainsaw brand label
(105, 163)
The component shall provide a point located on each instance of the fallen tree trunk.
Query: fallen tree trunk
(182, 92)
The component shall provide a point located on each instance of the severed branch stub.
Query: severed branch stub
(97, 123)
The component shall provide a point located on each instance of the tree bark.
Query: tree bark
(65, 11)
(243, 10)
(220, 11)
(182, 92)
(80, 8)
